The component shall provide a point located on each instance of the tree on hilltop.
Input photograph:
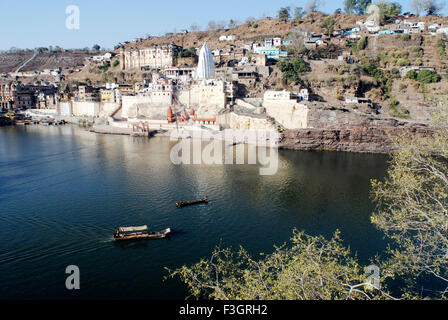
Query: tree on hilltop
(284, 14)
(194, 28)
(388, 10)
(431, 7)
(212, 26)
(358, 7)
(233, 24)
(299, 13)
(314, 5)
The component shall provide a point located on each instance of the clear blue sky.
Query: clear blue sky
(36, 23)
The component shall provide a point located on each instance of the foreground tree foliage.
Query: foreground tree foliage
(412, 211)
(312, 268)
(413, 206)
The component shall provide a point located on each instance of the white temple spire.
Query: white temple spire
(206, 66)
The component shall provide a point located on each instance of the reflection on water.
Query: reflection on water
(63, 192)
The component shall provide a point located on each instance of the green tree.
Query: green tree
(441, 46)
(188, 53)
(292, 69)
(349, 6)
(411, 75)
(413, 204)
(356, 6)
(105, 66)
(428, 76)
(363, 42)
(393, 103)
(328, 24)
(311, 268)
(299, 13)
(432, 7)
(96, 47)
(284, 14)
(388, 10)
(384, 78)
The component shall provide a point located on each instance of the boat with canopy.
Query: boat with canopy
(139, 233)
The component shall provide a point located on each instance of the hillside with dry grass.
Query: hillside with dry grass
(10, 61)
(254, 30)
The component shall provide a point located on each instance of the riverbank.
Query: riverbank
(374, 140)
(366, 135)
(377, 139)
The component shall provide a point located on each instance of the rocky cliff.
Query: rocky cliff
(376, 138)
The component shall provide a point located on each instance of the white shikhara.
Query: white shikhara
(206, 66)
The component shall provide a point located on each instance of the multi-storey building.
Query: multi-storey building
(87, 94)
(19, 96)
(151, 57)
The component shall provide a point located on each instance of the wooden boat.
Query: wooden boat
(139, 233)
(182, 204)
(22, 122)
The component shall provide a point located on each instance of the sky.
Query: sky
(32, 24)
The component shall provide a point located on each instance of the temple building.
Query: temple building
(206, 66)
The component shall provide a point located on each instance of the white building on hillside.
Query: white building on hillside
(227, 38)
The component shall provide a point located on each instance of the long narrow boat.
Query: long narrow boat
(22, 122)
(182, 204)
(139, 233)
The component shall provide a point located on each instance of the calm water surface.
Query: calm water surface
(63, 191)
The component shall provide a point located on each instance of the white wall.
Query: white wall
(108, 108)
(86, 109)
(65, 109)
(154, 105)
(288, 112)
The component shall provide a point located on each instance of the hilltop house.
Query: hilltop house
(270, 52)
(227, 38)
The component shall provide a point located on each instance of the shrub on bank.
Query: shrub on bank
(292, 69)
(428, 76)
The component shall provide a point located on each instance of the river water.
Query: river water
(64, 190)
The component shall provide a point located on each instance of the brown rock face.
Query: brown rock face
(372, 139)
